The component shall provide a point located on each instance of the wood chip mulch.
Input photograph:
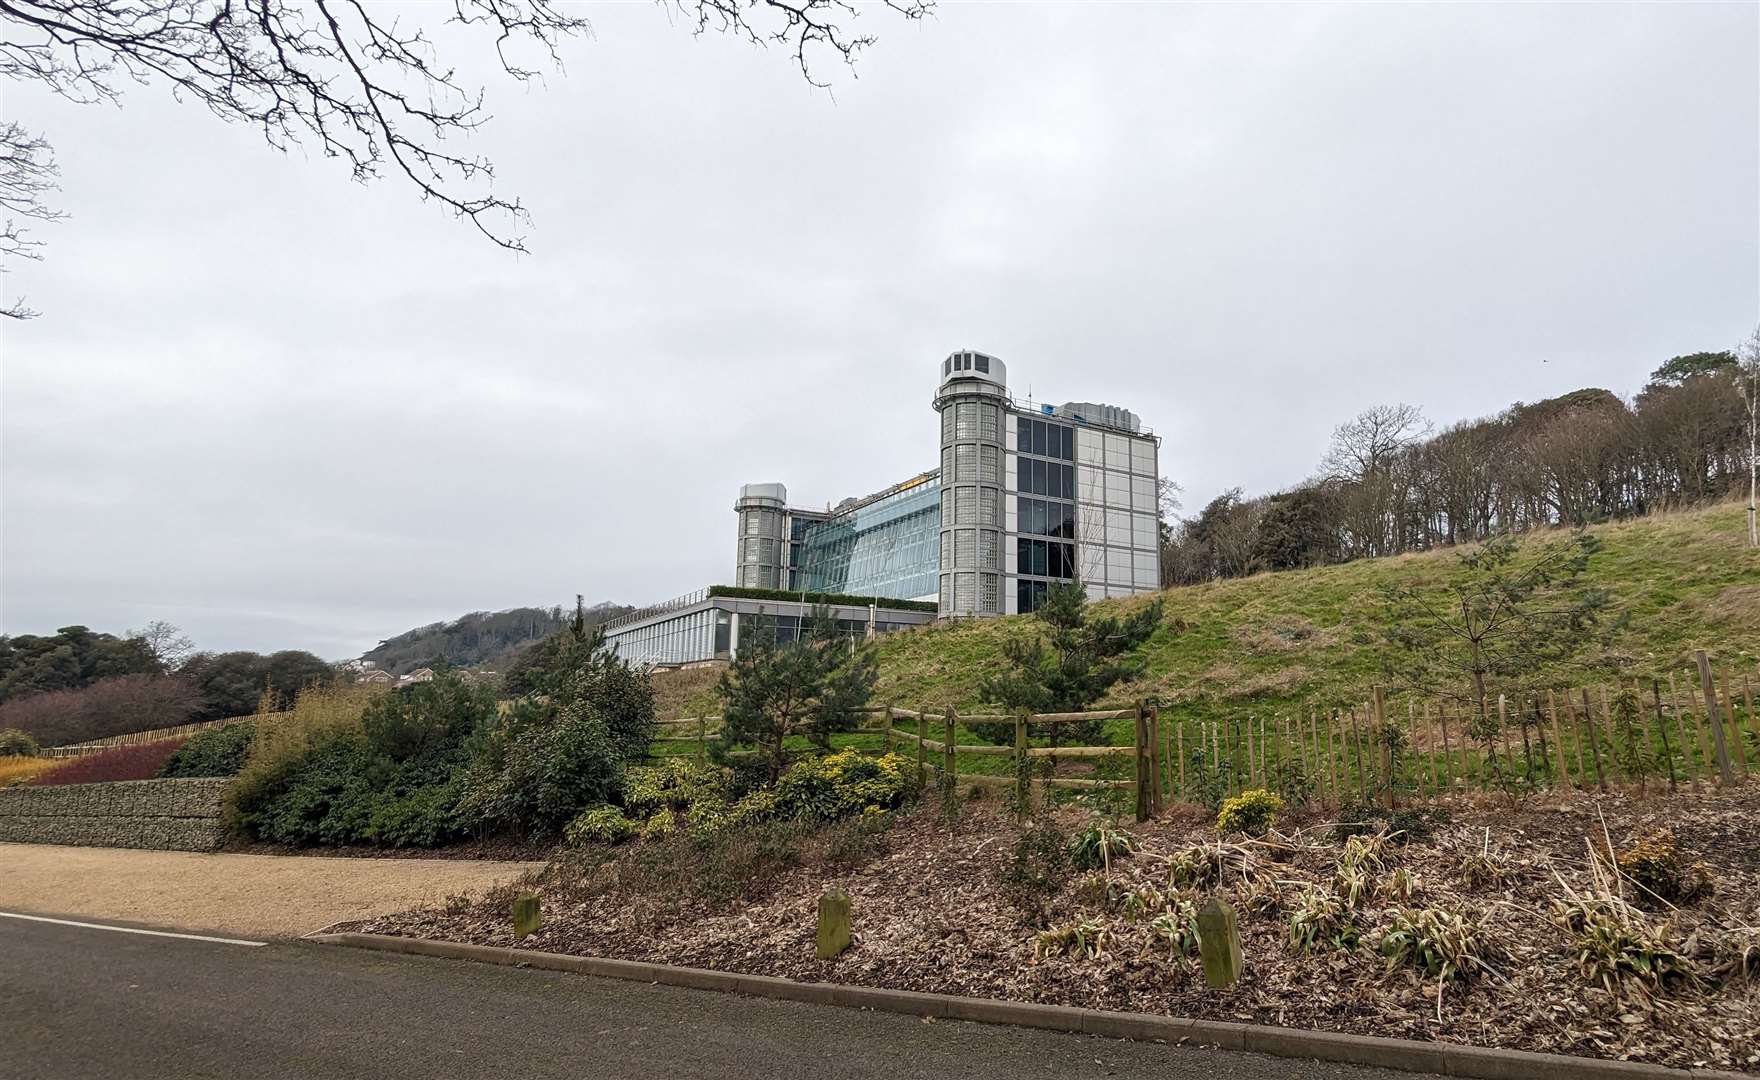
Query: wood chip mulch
(930, 915)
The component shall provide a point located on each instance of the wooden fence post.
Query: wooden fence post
(1564, 772)
(702, 738)
(1701, 733)
(1594, 739)
(1357, 747)
(1145, 796)
(1662, 729)
(952, 770)
(1748, 699)
(1163, 768)
(886, 729)
(1179, 737)
(1216, 755)
(1252, 762)
(1418, 786)
(1725, 775)
(1735, 728)
(922, 751)
(1021, 792)
(1331, 720)
(1387, 762)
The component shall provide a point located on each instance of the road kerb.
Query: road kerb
(1445, 1059)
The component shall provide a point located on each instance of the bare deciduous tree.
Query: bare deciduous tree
(348, 78)
(1748, 356)
(168, 644)
(27, 175)
(1368, 444)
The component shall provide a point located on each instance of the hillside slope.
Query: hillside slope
(1287, 641)
(481, 638)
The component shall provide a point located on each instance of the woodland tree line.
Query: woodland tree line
(78, 684)
(1390, 483)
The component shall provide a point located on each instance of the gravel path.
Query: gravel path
(256, 895)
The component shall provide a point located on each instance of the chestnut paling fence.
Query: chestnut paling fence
(1659, 734)
(135, 738)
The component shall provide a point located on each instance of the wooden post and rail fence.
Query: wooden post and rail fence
(1657, 734)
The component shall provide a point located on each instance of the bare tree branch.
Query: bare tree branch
(27, 174)
(339, 75)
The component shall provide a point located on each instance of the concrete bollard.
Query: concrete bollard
(527, 916)
(834, 922)
(1219, 943)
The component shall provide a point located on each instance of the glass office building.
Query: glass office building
(1026, 495)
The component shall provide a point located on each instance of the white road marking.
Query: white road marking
(130, 929)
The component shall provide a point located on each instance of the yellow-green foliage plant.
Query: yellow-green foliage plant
(318, 715)
(600, 824)
(1251, 812)
(845, 783)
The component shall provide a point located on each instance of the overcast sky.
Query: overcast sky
(284, 410)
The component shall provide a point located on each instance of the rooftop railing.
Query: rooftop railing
(649, 612)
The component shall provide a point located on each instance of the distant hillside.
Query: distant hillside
(481, 639)
(1279, 643)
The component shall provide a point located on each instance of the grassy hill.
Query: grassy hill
(1281, 643)
(479, 639)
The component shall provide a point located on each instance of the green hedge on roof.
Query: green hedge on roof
(734, 592)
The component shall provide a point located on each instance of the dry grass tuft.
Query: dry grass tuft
(19, 770)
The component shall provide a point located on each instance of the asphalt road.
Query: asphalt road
(87, 1004)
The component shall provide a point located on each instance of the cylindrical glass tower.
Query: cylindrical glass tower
(761, 554)
(971, 401)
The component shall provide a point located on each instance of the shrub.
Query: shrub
(540, 767)
(324, 799)
(349, 768)
(1037, 868)
(845, 783)
(602, 824)
(318, 716)
(215, 752)
(1251, 812)
(142, 761)
(426, 719)
(678, 783)
(662, 823)
(1095, 846)
(15, 743)
(22, 770)
(1655, 865)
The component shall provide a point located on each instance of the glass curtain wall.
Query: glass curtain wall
(889, 548)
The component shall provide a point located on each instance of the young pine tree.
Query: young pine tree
(811, 687)
(1071, 660)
